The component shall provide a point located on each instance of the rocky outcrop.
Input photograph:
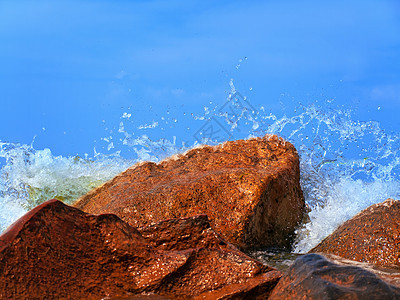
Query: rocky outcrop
(372, 236)
(314, 277)
(57, 251)
(249, 188)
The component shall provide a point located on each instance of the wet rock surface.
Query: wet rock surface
(372, 236)
(57, 251)
(312, 276)
(249, 189)
(184, 233)
(390, 274)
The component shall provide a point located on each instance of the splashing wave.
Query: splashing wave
(346, 165)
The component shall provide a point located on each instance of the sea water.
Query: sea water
(346, 165)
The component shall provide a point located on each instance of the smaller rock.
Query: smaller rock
(312, 276)
(57, 251)
(212, 263)
(255, 288)
(372, 236)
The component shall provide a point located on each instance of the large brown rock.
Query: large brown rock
(371, 236)
(312, 276)
(57, 251)
(249, 188)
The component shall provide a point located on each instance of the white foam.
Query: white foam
(30, 177)
(343, 200)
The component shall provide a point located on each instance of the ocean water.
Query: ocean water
(346, 165)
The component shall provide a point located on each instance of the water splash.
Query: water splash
(30, 177)
(341, 200)
(346, 165)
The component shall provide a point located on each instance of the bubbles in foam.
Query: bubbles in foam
(30, 177)
(342, 200)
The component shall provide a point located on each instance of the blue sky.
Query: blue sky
(70, 69)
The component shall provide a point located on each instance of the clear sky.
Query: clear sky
(70, 69)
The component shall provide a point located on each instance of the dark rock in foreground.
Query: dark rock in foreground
(250, 189)
(371, 236)
(390, 274)
(57, 251)
(314, 277)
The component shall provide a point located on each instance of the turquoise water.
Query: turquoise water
(346, 164)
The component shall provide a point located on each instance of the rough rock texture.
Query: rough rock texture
(249, 188)
(312, 276)
(57, 251)
(371, 236)
(184, 233)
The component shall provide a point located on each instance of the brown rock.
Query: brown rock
(214, 271)
(372, 236)
(257, 288)
(249, 188)
(184, 233)
(57, 251)
(211, 258)
(314, 277)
